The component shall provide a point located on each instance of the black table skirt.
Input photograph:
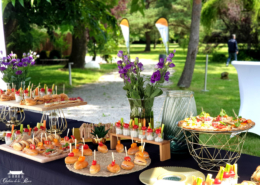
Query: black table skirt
(56, 173)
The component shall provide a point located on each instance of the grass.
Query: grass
(222, 93)
(54, 74)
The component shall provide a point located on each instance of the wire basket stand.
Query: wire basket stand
(214, 149)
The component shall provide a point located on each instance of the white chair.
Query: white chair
(249, 87)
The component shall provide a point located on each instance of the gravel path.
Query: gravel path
(107, 101)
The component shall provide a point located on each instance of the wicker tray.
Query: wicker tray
(104, 160)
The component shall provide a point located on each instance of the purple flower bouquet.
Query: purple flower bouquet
(141, 90)
(15, 70)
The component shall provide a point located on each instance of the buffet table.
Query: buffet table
(56, 172)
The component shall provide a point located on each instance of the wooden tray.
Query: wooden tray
(165, 150)
(41, 108)
(37, 158)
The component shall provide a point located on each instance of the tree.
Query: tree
(186, 77)
(237, 16)
(76, 16)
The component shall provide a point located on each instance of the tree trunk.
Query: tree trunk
(186, 77)
(148, 41)
(79, 49)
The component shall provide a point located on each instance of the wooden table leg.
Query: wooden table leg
(113, 141)
(165, 152)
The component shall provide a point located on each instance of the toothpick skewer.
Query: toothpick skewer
(202, 109)
(33, 137)
(63, 88)
(73, 131)
(70, 147)
(143, 147)
(46, 136)
(234, 113)
(75, 143)
(56, 89)
(83, 141)
(125, 151)
(82, 150)
(55, 133)
(94, 155)
(68, 132)
(113, 156)
(132, 139)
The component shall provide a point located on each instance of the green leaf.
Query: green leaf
(13, 2)
(32, 2)
(157, 92)
(27, 79)
(21, 2)
(48, 1)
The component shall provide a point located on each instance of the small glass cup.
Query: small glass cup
(126, 131)
(17, 134)
(159, 137)
(8, 140)
(149, 135)
(18, 98)
(142, 134)
(119, 130)
(134, 132)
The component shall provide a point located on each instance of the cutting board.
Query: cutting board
(37, 158)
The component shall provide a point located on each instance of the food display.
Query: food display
(102, 148)
(30, 97)
(223, 122)
(71, 159)
(226, 176)
(94, 168)
(81, 163)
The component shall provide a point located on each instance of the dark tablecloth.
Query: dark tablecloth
(56, 173)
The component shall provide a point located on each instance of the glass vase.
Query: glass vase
(143, 110)
(178, 105)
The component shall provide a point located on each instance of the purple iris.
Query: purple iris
(166, 77)
(123, 71)
(19, 72)
(171, 55)
(134, 71)
(18, 60)
(24, 54)
(174, 51)
(2, 68)
(14, 67)
(161, 60)
(25, 59)
(140, 66)
(20, 64)
(137, 59)
(120, 53)
(8, 57)
(13, 60)
(171, 65)
(125, 57)
(169, 59)
(4, 58)
(128, 66)
(119, 62)
(129, 80)
(30, 58)
(159, 65)
(120, 67)
(25, 65)
(156, 76)
(132, 64)
(33, 63)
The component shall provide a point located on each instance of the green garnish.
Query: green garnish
(203, 114)
(222, 113)
(221, 122)
(66, 145)
(237, 124)
(49, 150)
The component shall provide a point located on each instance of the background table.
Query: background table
(56, 172)
(249, 88)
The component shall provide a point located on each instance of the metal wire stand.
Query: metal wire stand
(212, 150)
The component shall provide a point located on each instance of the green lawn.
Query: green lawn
(55, 74)
(222, 93)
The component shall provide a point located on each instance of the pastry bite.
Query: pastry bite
(25, 144)
(52, 152)
(127, 164)
(31, 151)
(143, 154)
(48, 145)
(39, 100)
(140, 161)
(56, 97)
(71, 159)
(5, 97)
(76, 152)
(56, 143)
(102, 148)
(94, 168)
(30, 102)
(12, 96)
(119, 147)
(40, 148)
(81, 163)
(47, 98)
(134, 148)
(86, 150)
(18, 146)
(64, 97)
(113, 167)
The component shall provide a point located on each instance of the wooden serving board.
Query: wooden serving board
(37, 158)
(41, 108)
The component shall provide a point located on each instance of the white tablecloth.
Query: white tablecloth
(249, 87)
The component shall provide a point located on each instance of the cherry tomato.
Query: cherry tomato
(26, 130)
(35, 129)
(118, 124)
(226, 175)
(42, 90)
(158, 131)
(71, 154)
(32, 146)
(66, 138)
(217, 181)
(73, 137)
(100, 144)
(127, 158)
(94, 162)
(204, 183)
(126, 125)
(47, 142)
(48, 153)
(232, 173)
(42, 127)
(85, 147)
(113, 163)
(144, 128)
(221, 126)
(135, 127)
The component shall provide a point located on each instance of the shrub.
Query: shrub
(55, 54)
(218, 58)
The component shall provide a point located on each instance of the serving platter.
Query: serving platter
(42, 107)
(172, 174)
(37, 158)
